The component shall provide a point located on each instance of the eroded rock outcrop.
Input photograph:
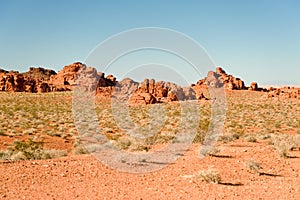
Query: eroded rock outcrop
(88, 79)
(219, 79)
(149, 91)
(253, 86)
(284, 93)
(65, 79)
(15, 82)
(35, 80)
(2, 71)
(106, 85)
(45, 80)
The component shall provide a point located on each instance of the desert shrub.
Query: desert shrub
(277, 125)
(250, 138)
(285, 143)
(138, 147)
(203, 127)
(253, 166)
(30, 149)
(283, 151)
(264, 136)
(210, 176)
(2, 133)
(54, 153)
(124, 142)
(79, 149)
(229, 138)
(132, 144)
(214, 152)
(5, 155)
(199, 137)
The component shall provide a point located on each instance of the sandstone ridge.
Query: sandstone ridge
(147, 92)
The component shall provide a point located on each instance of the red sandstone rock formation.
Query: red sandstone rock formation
(106, 85)
(65, 78)
(2, 71)
(217, 79)
(146, 92)
(149, 92)
(35, 80)
(220, 79)
(284, 93)
(15, 82)
(253, 86)
(39, 73)
(44, 80)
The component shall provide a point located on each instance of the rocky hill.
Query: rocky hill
(147, 92)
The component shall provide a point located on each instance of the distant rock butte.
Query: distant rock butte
(147, 92)
(219, 79)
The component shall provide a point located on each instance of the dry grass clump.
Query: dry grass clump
(132, 144)
(251, 138)
(253, 166)
(285, 143)
(214, 152)
(210, 175)
(229, 137)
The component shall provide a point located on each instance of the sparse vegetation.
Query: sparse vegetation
(50, 114)
(29, 150)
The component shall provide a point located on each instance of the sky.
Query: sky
(257, 40)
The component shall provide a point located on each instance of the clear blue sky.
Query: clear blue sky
(257, 40)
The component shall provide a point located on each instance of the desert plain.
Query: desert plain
(257, 155)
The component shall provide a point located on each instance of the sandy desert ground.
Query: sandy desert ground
(256, 157)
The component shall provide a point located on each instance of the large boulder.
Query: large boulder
(253, 86)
